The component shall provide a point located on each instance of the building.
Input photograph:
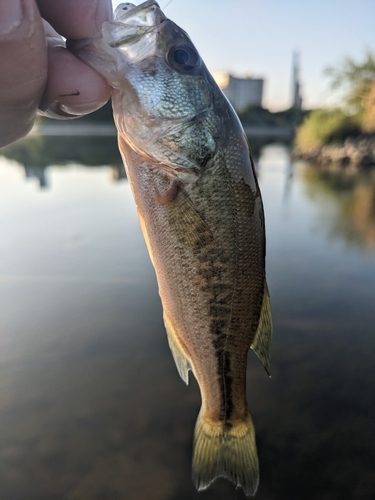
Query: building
(241, 92)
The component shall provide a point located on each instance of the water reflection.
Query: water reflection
(346, 201)
(36, 173)
(36, 153)
(43, 151)
(91, 405)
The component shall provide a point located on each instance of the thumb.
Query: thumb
(23, 63)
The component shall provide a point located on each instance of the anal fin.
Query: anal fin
(262, 341)
(182, 362)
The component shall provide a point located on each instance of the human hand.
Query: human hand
(37, 71)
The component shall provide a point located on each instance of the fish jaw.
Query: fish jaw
(147, 13)
(127, 40)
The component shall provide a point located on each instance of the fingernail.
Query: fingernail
(11, 15)
(104, 12)
(55, 112)
(80, 109)
(64, 111)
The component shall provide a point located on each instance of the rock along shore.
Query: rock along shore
(356, 151)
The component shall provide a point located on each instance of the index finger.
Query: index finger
(76, 19)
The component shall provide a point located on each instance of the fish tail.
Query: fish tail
(227, 450)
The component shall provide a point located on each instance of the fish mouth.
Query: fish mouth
(147, 13)
(131, 23)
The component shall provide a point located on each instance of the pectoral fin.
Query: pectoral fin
(180, 358)
(262, 341)
(169, 195)
(190, 227)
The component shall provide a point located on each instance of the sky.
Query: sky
(257, 38)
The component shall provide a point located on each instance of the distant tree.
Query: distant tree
(358, 81)
(325, 126)
(357, 114)
(368, 120)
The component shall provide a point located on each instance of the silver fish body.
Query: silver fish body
(201, 213)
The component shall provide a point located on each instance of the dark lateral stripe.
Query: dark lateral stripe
(225, 381)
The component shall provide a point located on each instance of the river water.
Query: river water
(91, 404)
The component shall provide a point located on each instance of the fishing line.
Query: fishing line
(165, 6)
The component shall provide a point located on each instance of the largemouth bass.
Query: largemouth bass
(200, 208)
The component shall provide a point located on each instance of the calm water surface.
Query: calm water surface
(91, 405)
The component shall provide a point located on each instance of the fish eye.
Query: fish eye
(183, 57)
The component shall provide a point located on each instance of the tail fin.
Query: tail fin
(227, 451)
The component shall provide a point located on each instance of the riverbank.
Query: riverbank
(354, 151)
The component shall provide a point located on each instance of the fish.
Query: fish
(200, 209)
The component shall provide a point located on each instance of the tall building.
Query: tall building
(296, 85)
(241, 92)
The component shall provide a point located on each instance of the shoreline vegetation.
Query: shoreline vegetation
(355, 151)
(343, 135)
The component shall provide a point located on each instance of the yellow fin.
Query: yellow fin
(182, 362)
(262, 341)
(225, 450)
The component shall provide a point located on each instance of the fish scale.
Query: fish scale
(200, 209)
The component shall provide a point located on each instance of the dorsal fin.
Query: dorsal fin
(262, 341)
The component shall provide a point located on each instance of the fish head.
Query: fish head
(163, 95)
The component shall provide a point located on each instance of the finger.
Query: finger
(76, 19)
(73, 89)
(23, 63)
